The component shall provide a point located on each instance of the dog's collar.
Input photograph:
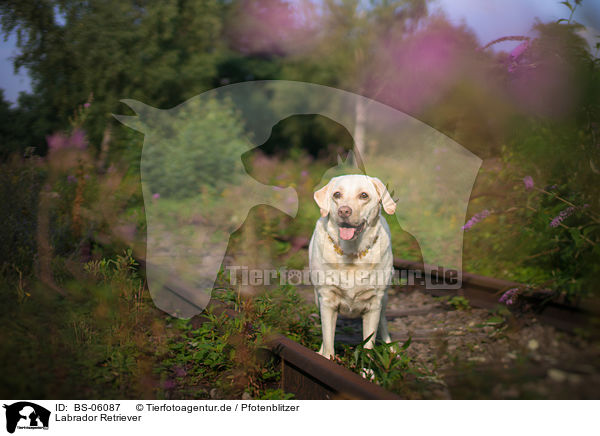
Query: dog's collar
(358, 255)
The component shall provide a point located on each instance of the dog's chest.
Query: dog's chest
(352, 281)
(354, 289)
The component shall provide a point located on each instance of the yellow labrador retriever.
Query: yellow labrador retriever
(350, 255)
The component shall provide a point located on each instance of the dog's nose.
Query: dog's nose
(344, 211)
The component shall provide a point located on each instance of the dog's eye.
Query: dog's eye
(364, 195)
(337, 195)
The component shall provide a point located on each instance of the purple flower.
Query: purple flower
(71, 179)
(304, 173)
(156, 196)
(86, 105)
(476, 218)
(507, 297)
(564, 214)
(77, 139)
(57, 141)
(169, 384)
(528, 181)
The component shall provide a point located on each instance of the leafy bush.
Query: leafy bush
(385, 364)
(198, 149)
(20, 184)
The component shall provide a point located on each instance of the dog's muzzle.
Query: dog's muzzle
(349, 232)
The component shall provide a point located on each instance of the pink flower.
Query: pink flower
(411, 72)
(86, 105)
(508, 297)
(59, 141)
(156, 196)
(519, 50)
(545, 87)
(564, 214)
(78, 140)
(476, 218)
(274, 26)
(528, 181)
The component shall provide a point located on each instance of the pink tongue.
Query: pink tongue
(347, 233)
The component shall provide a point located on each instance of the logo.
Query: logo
(26, 415)
(194, 151)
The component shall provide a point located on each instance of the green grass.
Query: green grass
(107, 340)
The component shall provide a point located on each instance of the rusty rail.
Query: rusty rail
(484, 292)
(310, 376)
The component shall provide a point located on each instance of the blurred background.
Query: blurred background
(517, 83)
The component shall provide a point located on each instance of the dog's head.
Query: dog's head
(354, 202)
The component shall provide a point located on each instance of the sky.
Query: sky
(9, 81)
(490, 19)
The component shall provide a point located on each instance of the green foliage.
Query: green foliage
(199, 151)
(385, 364)
(20, 184)
(92, 344)
(162, 52)
(459, 303)
(230, 350)
(123, 268)
(275, 394)
(283, 310)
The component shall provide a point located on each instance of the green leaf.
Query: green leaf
(567, 4)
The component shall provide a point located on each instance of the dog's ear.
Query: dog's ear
(322, 198)
(389, 205)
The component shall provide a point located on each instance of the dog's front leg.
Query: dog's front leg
(370, 322)
(328, 321)
(383, 328)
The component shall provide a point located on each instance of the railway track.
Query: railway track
(484, 292)
(310, 376)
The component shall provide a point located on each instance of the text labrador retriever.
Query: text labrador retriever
(350, 255)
